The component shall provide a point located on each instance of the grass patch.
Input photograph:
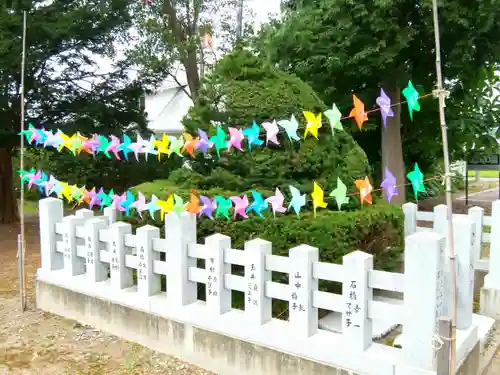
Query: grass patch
(487, 174)
(30, 207)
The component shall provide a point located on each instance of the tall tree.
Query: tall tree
(63, 86)
(173, 32)
(341, 46)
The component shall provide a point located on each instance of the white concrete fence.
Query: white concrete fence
(79, 251)
(487, 227)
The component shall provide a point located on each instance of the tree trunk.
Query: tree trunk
(193, 77)
(8, 201)
(392, 147)
(188, 54)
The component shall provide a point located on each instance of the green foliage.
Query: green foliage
(66, 89)
(97, 172)
(169, 33)
(60, 37)
(241, 89)
(373, 229)
(339, 47)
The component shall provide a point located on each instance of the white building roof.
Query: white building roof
(166, 108)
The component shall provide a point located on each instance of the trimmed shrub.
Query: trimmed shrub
(374, 229)
(243, 88)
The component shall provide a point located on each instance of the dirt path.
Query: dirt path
(39, 343)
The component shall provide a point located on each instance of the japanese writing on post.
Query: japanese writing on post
(252, 287)
(296, 288)
(114, 257)
(439, 296)
(212, 278)
(352, 308)
(67, 251)
(440, 287)
(90, 253)
(141, 267)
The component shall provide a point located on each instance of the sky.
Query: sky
(262, 9)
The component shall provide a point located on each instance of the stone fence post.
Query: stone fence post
(490, 293)
(50, 212)
(424, 295)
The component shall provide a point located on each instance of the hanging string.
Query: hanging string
(373, 110)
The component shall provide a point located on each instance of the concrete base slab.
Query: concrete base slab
(484, 327)
(173, 331)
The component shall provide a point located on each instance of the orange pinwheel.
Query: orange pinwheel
(87, 195)
(365, 190)
(190, 144)
(194, 204)
(358, 112)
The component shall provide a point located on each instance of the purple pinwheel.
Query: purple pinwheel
(94, 198)
(203, 144)
(389, 185)
(208, 206)
(384, 102)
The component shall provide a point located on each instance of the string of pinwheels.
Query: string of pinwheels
(187, 143)
(203, 205)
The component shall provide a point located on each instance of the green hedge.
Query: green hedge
(374, 228)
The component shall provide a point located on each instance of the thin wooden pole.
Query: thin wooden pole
(21, 210)
(443, 355)
(450, 242)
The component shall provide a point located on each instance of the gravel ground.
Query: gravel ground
(35, 342)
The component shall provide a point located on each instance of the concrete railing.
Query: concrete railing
(487, 226)
(96, 256)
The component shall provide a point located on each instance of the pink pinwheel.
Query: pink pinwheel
(203, 143)
(384, 102)
(33, 178)
(139, 204)
(34, 137)
(208, 206)
(240, 205)
(117, 202)
(113, 146)
(276, 202)
(272, 131)
(235, 138)
(389, 185)
(137, 146)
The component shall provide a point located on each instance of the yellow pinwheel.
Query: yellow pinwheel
(313, 124)
(318, 198)
(162, 146)
(165, 206)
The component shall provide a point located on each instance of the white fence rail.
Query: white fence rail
(487, 227)
(91, 248)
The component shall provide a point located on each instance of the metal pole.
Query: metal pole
(451, 246)
(21, 210)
